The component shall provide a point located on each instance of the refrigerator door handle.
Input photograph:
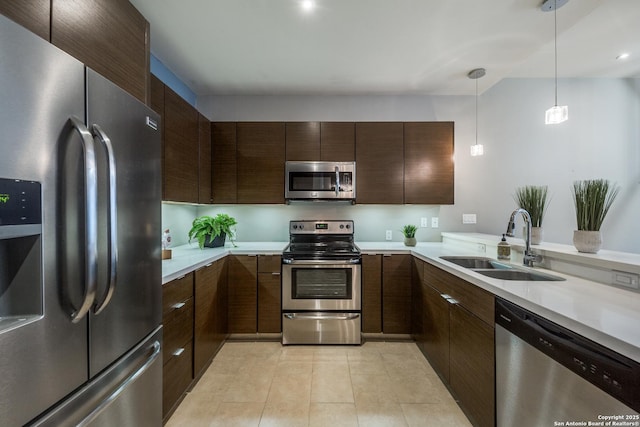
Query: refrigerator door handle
(113, 219)
(91, 220)
(155, 347)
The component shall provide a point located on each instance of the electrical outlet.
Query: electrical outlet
(423, 222)
(434, 222)
(389, 235)
(482, 247)
(468, 218)
(628, 280)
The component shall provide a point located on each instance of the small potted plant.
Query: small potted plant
(592, 199)
(211, 232)
(409, 232)
(533, 199)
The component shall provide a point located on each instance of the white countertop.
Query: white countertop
(190, 257)
(602, 313)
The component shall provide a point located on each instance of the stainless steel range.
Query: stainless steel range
(321, 284)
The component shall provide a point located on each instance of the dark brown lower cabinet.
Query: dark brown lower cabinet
(435, 318)
(456, 334)
(472, 373)
(177, 320)
(209, 325)
(176, 378)
(242, 294)
(269, 294)
(396, 294)
(371, 293)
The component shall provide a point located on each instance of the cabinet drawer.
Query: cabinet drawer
(269, 263)
(175, 293)
(476, 300)
(176, 378)
(178, 331)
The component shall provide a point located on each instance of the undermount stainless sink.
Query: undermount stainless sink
(497, 270)
(476, 262)
(517, 274)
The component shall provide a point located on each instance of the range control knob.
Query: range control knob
(348, 226)
(341, 226)
(301, 226)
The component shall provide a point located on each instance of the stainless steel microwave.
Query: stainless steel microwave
(320, 181)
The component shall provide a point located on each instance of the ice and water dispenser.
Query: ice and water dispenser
(21, 293)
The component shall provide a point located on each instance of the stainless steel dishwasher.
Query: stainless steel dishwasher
(547, 375)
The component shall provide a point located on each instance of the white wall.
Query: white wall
(600, 140)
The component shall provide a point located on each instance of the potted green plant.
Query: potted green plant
(592, 200)
(533, 199)
(409, 232)
(211, 232)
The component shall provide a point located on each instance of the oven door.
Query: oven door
(320, 180)
(321, 286)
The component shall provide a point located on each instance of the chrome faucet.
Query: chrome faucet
(529, 257)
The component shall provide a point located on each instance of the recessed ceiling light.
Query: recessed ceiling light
(622, 56)
(307, 5)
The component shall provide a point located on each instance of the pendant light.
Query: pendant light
(477, 149)
(555, 114)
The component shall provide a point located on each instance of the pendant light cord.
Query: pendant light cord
(476, 111)
(555, 46)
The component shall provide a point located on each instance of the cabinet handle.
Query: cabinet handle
(386, 255)
(451, 300)
(178, 306)
(178, 352)
(209, 265)
(181, 277)
(275, 273)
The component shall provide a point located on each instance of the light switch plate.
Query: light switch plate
(468, 218)
(434, 222)
(389, 235)
(423, 222)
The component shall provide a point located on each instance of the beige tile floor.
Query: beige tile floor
(266, 384)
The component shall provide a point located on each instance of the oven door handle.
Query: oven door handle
(322, 316)
(324, 262)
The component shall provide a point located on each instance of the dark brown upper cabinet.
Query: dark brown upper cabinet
(204, 171)
(224, 167)
(338, 141)
(181, 149)
(260, 162)
(379, 163)
(109, 36)
(303, 141)
(320, 141)
(156, 101)
(428, 163)
(34, 15)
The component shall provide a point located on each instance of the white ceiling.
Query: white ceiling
(386, 46)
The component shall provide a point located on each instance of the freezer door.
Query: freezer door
(128, 299)
(129, 393)
(43, 358)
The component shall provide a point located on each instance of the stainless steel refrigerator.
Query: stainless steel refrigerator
(80, 269)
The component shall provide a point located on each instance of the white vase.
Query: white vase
(536, 235)
(410, 241)
(587, 241)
